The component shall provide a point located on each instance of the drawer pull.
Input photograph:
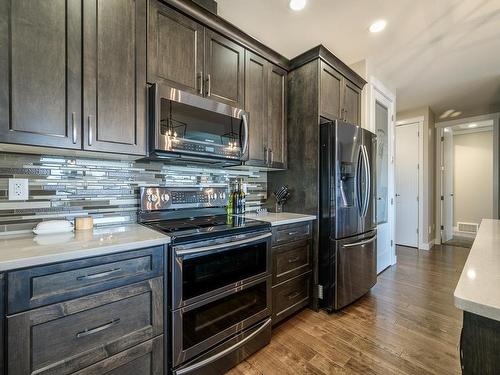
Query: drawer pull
(293, 295)
(98, 275)
(88, 332)
(294, 259)
(293, 233)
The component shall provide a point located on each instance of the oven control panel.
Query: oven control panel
(164, 198)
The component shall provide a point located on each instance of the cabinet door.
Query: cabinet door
(256, 72)
(352, 103)
(277, 117)
(175, 49)
(40, 72)
(115, 76)
(224, 71)
(331, 90)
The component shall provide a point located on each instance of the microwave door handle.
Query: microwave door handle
(221, 246)
(207, 361)
(245, 139)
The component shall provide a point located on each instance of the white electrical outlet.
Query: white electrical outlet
(18, 189)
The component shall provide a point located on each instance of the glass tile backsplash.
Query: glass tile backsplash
(108, 190)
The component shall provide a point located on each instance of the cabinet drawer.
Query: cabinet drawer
(143, 359)
(39, 286)
(291, 296)
(68, 336)
(292, 232)
(290, 260)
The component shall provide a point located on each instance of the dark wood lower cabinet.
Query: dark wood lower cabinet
(480, 345)
(291, 269)
(143, 359)
(69, 336)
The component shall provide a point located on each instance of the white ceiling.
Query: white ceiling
(442, 53)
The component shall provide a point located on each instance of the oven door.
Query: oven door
(195, 128)
(203, 269)
(205, 324)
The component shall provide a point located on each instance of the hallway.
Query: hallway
(406, 325)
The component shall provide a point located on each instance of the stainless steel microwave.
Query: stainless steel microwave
(192, 128)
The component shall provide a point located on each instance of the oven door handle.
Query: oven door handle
(217, 356)
(221, 246)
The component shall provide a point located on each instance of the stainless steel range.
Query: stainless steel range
(219, 301)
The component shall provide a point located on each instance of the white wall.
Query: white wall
(473, 177)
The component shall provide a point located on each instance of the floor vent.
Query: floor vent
(467, 227)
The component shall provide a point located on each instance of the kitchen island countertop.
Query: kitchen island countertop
(478, 290)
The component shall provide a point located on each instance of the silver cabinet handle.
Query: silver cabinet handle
(73, 124)
(293, 233)
(207, 361)
(293, 295)
(92, 331)
(294, 259)
(272, 155)
(98, 275)
(200, 82)
(209, 85)
(89, 123)
(265, 155)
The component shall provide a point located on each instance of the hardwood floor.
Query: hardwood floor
(407, 324)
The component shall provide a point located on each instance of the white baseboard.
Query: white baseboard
(427, 245)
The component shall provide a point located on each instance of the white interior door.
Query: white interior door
(383, 128)
(407, 149)
(447, 166)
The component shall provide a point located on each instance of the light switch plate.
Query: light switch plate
(18, 189)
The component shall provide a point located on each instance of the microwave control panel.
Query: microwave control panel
(163, 198)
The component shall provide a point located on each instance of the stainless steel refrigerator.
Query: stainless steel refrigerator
(347, 254)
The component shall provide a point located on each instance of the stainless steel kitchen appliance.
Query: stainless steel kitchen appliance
(219, 288)
(187, 127)
(347, 235)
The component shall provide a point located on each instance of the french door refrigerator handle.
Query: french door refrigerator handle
(357, 182)
(368, 186)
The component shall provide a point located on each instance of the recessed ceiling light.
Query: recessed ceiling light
(472, 126)
(378, 26)
(455, 114)
(447, 113)
(297, 5)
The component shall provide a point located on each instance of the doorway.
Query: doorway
(408, 180)
(467, 180)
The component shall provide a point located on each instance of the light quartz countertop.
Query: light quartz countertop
(281, 218)
(27, 250)
(478, 290)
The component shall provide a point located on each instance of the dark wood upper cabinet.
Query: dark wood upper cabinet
(114, 34)
(40, 72)
(339, 97)
(175, 49)
(224, 69)
(277, 84)
(256, 75)
(352, 103)
(331, 91)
